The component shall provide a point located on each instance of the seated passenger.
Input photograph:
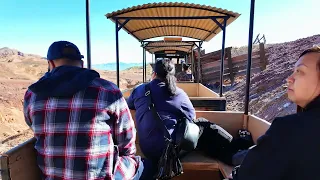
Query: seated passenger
(169, 100)
(82, 123)
(290, 148)
(185, 75)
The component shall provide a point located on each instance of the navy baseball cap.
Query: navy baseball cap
(63, 49)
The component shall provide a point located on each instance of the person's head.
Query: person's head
(304, 82)
(185, 67)
(62, 53)
(164, 70)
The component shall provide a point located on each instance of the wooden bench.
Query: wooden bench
(198, 166)
(201, 97)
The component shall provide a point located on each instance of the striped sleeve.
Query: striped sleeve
(26, 101)
(125, 135)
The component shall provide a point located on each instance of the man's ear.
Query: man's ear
(154, 75)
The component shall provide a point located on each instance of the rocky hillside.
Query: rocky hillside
(267, 91)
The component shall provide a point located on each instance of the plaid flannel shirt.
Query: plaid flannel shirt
(88, 136)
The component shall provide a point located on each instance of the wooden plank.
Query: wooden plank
(4, 167)
(216, 53)
(257, 127)
(263, 58)
(244, 56)
(22, 156)
(196, 162)
(189, 88)
(236, 67)
(234, 59)
(225, 169)
(199, 174)
(230, 66)
(206, 92)
(212, 105)
(254, 61)
(216, 67)
(216, 76)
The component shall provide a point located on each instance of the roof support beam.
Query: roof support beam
(116, 20)
(172, 7)
(219, 24)
(170, 46)
(171, 41)
(171, 17)
(122, 24)
(171, 26)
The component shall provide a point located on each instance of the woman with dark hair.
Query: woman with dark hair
(290, 149)
(169, 101)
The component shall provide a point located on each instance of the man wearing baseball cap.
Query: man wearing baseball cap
(82, 124)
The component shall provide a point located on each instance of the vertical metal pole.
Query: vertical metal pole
(117, 54)
(192, 62)
(88, 34)
(222, 55)
(198, 68)
(246, 107)
(143, 64)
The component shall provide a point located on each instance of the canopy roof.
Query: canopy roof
(156, 46)
(172, 19)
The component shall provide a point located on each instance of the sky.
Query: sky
(31, 26)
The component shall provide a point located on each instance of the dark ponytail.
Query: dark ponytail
(165, 71)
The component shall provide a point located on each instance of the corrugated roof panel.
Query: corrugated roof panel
(169, 45)
(202, 29)
(184, 49)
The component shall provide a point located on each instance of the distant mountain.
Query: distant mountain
(113, 66)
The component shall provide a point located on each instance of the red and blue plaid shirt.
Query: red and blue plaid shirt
(89, 136)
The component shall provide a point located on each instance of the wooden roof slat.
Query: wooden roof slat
(157, 46)
(170, 22)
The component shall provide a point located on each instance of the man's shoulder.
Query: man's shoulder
(104, 84)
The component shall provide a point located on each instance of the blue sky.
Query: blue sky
(31, 26)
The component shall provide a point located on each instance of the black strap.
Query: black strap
(155, 113)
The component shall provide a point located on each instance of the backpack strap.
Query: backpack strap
(156, 115)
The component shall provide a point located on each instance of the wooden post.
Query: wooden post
(230, 65)
(263, 60)
(198, 67)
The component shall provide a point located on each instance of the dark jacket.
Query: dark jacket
(289, 150)
(150, 135)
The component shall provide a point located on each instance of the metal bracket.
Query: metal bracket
(122, 24)
(218, 23)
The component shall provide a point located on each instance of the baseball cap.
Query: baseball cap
(63, 49)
